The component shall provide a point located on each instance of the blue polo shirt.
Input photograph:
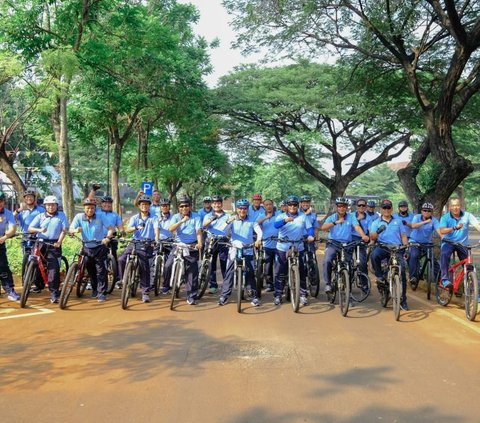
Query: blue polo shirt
(424, 233)
(392, 233)
(93, 230)
(155, 209)
(218, 226)
(293, 230)
(163, 223)
(364, 224)
(25, 217)
(202, 213)
(55, 224)
(460, 235)
(187, 232)
(269, 230)
(148, 223)
(255, 214)
(241, 232)
(408, 218)
(373, 216)
(112, 218)
(342, 232)
(7, 220)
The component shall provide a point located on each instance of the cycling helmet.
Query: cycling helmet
(305, 198)
(242, 203)
(107, 199)
(217, 198)
(30, 192)
(144, 199)
(257, 197)
(292, 199)
(184, 199)
(282, 203)
(341, 200)
(165, 202)
(50, 199)
(86, 202)
(371, 203)
(207, 199)
(2, 195)
(403, 203)
(427, 206)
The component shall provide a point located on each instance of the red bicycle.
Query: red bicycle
(463, 278)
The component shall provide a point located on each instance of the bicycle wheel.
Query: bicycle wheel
(260, 276)
(112, 273)
(82, 283)
(157, 274)
(471, 296)
(240, 286)
(176, 281)
(360, 287)
(396, 295)
(127, 282)
(332, 295)
(68, 284)
(63, 269)
(344, 291)
(443, 295)
(429, 278)
(385, 294)
(313, 277)
(204, 276)
(294, 283)
(28, 281)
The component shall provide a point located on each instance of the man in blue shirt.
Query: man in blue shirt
(241, 230)
(7, 230)
(256, 211)
(215, 223)
(423, 226)
(291, 225)
(187, 228)
(371, 213)
(162, 233)
(113, 220)
(405, 216)
(92, 227)
(340, 226)
(267, 223)
(388, 230)
(454, 228)
(51, 226)
(364, 221)
(206, 209)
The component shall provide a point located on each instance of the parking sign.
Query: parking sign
(147, 188)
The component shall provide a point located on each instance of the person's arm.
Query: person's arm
(360, 232)
(135, 201)
(35, 227)
(404, 238)
(173, 228)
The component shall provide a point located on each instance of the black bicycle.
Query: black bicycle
(360, 285)
(311, 269)
(429, 269)
(177, 278)
(160, 258)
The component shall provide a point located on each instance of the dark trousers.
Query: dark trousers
(281, 268)
(52, 256)
(144, 257)
(191, 271)
(97, 267)
(166, 252)
(362, 250)
(330, 254)
(5, 272)
(446, 252)
(220, 251)
(249, 279)
(270, 255)
(414, 261)
(380, 254)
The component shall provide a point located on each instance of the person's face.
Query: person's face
(51, 207)
(242, 212)
(361, 206)
(427, 214)
(29, 200)
(156, 196)
(207, 205)
(107, 206)
(371, 209)
(403, 209)
(144, 206)
(386, 211)
(256, 203)
(217, 206)
(268, 206)
(184, 209)
(89, 210)
(292, 208)
(305, 205)
(455, 207)
(341, 209)
(165, 208)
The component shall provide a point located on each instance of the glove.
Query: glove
(381, 229)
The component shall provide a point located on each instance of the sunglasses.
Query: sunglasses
(181, 206)
(386, 207)
(293, 204)
(427, 211)
(242, 208)
(361, 205)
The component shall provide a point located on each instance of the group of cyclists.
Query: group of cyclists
(255, 224)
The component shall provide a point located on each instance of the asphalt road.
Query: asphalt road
(96, 362)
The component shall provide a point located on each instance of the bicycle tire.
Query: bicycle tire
(471, 296)
(68, 284)
(204, 276)
(127, 281)
(176, 281)
(360, 287)
(136, 282)
(82, 283)
(157, 274)
(28, 281)
(240, 286)
(384, 294)
(260, 276)
(344, 292)
(294, 282)
(396, 296)
(112, 273)
(430, 278)
(63, 268)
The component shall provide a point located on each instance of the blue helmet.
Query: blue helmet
(292, 199)
(242, 203)
(305, 198)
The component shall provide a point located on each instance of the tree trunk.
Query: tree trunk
(117, 158)
(142, 152)
(7, 167)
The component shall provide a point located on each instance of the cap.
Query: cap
(386, 203)
(257, 197)
(403, 203)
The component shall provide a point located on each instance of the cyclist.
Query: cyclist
(267, 223)
(92, 227)
(372, 214)
(256, 211)
(388, 230)
(241, 230)
(405, 216)
(206, 209)
(113, 220)
(340, 226)
(187, 228)
(155, 207)
(142, 225)
(423, 227)
(283, 206)
(364, 221)
(291, 225)
(216, 223)
(454, 227)
(51, 226)
(7, 230)
(162, 225)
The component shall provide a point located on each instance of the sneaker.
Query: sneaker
(277, 301)
(404, 305)
(446, 283)
(222, 301)
(94, 293)
(256, 302)
(35, 290)
(13, 296)
(328, 287)
(89, 286)
(269, 288)
(145, 298)
(118, 285)
(212, 290)
(192, 301)
(165, 290)
(102, 298)
(303, 300)
(54, 299)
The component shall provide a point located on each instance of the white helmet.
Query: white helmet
(50, 199)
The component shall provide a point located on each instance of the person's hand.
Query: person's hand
(57, 244)
(258, 243)
(105, 241)
(365, 238)
(310, 238)
(198, 246)
(405, 223)
(185, 218)
(340, 220)
(3, 239)
(459, 225)
(43, 230)
(289, 219)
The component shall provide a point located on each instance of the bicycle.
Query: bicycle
(429, 269)
(160, 257)
(311, 271)
(239, 275)
(36, 267)
(112, 271)
(360, 285)
(131, 274)
(206, 265)
(463, 276)
(178, 269)
(392, 273)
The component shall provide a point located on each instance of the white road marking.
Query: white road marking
(36, 313)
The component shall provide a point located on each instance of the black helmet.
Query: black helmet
(341, 200)
(292, 199)
(427, 206)
(305, 198)
(184, 199)
(144, 199)
(403, 203)
(165, 202)
(371, 203)
(217, 198)
(107, 199)
(29, 191)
